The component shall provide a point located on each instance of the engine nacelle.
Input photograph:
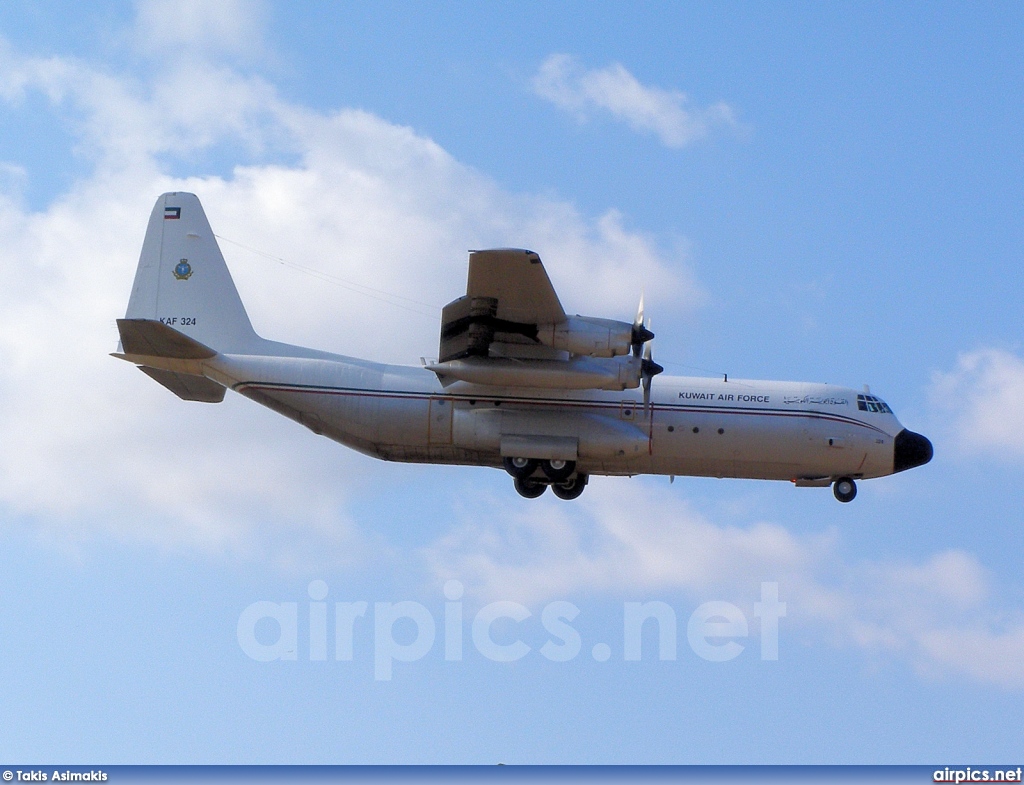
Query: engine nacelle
(588, 336)
(578, 373)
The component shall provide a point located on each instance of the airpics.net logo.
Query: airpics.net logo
(407, 631)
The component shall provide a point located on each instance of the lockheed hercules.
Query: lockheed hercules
(518, 384)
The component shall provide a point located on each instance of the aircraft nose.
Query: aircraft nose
(909, 450)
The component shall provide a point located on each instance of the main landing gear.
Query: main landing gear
(565, 481)
(570, 489)
(844, 489)
(529, 489)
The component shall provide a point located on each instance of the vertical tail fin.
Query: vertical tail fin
(182, 279)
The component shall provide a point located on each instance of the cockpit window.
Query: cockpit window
(869, 403)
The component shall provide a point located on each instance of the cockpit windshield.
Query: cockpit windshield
(869, 403)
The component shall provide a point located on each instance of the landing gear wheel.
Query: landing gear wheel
(558, 471)
(571, 489)
(528, 488)
(845, 489)
(521, 468)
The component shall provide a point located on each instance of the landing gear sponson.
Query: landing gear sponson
(566, 483)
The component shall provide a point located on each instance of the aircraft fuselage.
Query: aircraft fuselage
(808, 433)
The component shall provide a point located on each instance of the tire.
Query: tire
(845, 490)
(558, 471)
(571, 489)
(528, 488)
(520, 468)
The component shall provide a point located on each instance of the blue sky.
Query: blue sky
(817, 192)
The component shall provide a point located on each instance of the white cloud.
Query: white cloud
(984, 655)
(195, 26)
(638, 541)
(984, 401)
(615, 90)
(618, 536)
(90, 442)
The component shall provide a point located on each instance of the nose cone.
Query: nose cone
(909, 450)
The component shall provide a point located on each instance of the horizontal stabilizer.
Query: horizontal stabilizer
(152, 338)
(187, 386)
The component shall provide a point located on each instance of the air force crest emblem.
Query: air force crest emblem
(183, 270)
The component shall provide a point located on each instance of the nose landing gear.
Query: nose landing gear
(844, 489)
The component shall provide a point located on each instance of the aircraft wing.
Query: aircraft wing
(508, 295)
(510, 330)
(518, 281)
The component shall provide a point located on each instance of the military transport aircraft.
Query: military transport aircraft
(553, 399)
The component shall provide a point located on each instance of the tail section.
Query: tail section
(183, 282)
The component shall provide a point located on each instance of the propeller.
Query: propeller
(641, 346)
(648, 368)
(641, 334)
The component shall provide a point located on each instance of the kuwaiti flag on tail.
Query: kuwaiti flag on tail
(172, 213)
